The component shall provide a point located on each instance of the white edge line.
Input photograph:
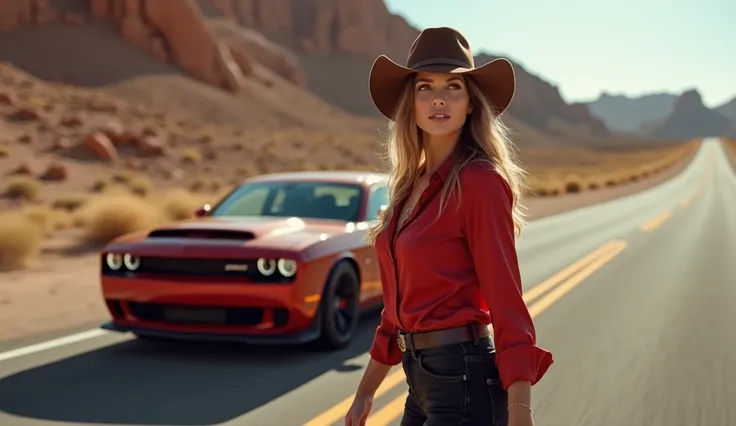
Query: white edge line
(50, 344)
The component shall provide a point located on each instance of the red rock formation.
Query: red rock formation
(224, 54)
(16, 13)
(349, 26)
(367, 28)
(174, 30)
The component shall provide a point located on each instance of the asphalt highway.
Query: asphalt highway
(635, 298)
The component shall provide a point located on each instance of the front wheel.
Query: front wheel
(340, 303)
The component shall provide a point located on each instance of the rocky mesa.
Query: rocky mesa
(690, 118)
(247, 46)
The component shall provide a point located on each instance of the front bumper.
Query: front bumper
(184, 309)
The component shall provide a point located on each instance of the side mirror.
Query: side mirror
(202, 211)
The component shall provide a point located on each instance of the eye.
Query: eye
(455, 86)
(423, 86)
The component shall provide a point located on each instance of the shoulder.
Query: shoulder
(480, 178)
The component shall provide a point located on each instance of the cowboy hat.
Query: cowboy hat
(440, 50)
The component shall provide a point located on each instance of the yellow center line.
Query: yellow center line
(655, 222)
(584, 268)
(538, 290)
(390, 412)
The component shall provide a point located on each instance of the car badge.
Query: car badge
(236, 267)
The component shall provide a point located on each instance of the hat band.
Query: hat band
(441, 61)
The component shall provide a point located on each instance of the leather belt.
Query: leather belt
(435, 338)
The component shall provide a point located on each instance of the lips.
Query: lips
(439, 117)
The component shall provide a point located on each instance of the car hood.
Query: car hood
(268, 232)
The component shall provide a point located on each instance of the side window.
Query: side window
(378, 198)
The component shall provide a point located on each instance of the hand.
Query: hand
(520, 416)
(358, 412)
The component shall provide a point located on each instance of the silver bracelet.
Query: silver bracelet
(520, 404)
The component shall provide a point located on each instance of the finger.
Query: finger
(363, 418)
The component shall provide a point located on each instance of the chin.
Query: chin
(441, 129)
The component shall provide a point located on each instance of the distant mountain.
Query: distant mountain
(728, 109)
(689, 118)
(540, 104)
(625, 114)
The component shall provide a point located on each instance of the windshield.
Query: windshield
(323, 200)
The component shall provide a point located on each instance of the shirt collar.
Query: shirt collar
(445, 167)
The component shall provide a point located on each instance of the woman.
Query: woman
(446, 242)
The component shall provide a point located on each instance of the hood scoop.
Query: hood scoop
(206, 234)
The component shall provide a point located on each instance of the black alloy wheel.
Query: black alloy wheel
(340, 303)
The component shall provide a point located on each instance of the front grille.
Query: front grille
(201, 315)
(197, 267)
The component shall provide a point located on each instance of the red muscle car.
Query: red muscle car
(281, 259)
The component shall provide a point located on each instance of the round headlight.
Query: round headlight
(114, 261)
(131, 262)
(266, 266)
(287, 267)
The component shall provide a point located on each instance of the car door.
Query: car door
(377, 200)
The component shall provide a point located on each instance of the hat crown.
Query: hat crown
(441, 45)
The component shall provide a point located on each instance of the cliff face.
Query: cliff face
(366, 29)
(325, 46)
(690, 118)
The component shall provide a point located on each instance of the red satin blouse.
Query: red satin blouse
(460, 268)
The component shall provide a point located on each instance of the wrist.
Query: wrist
(365, 395)
(520, 406)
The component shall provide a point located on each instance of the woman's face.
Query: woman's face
(441, 103)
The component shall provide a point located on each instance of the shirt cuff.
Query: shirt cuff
(523, 362)
(385, 349)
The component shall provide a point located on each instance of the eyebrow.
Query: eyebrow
(427, 80)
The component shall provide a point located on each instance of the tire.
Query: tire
(339, 308)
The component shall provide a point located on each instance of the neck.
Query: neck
(437, 148)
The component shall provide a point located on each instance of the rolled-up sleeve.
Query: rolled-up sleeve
(385, 348)
(487, 211)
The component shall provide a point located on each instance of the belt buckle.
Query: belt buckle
(401, 340)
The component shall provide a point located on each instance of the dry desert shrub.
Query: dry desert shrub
(178, 204)
(69, 202)
(108, 217)
(46, 218)
(140, 186)
(23, 187)
(191, 156)
(20, 240)
(614, 170)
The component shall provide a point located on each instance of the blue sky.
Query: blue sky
(630, 47)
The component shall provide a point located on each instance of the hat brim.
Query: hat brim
(495, 79)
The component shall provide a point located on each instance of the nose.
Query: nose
(436, 102)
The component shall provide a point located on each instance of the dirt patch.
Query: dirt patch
(54, 294)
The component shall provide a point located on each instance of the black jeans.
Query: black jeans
(454, 385)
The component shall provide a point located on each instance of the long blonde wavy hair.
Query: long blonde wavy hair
(483, 136)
